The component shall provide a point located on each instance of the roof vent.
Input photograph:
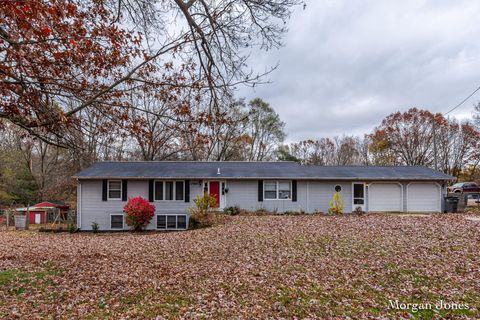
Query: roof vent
(218, 171)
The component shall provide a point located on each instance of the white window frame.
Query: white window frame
(123, 221)
(354, 205)
(174, 195)
(277, 190)
(176, 221)
(108, 189)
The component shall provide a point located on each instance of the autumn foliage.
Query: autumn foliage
(139, 212)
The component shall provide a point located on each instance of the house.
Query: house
(171, 186)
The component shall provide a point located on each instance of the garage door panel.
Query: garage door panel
(385, 197)
(423, 197)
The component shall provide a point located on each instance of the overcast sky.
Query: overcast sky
(347, 64)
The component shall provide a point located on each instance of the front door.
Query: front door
(38, 218)
(215, 191)
(358, 196)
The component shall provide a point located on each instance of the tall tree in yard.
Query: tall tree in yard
(64, 57)
(264, 130)
(409, 135)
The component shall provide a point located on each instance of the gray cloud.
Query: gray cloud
(347, 64)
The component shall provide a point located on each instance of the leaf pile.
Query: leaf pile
(251, 267)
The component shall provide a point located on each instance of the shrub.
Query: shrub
(95, 227)
(336, 205)
(358, 210)
(232, 211)
(71, 228)
(139, 212)
(204, 203)
(202, 215)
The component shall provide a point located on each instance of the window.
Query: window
(181, 222)
(284, 190)
(277, 190)
(161, 222)
(358, 193)
(158, 190)
(270, 188)
(116, 221)
(114, 189)
(171, 222)
(169, 190)
(179, 190)
(338, 188)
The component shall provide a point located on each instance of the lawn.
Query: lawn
(250, 267)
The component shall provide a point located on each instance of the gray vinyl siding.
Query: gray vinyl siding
(244, 193)
(93, 209)
(311, 196)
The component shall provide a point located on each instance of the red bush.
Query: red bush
(138, 212)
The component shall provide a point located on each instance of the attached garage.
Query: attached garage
(423, 197)
(385, 197)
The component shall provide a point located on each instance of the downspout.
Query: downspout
(79, 204)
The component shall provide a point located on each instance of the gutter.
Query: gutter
(266, 178)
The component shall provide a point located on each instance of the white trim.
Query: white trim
(174, 191)
(439, 202)
(108, 190)
(223, 198)
(277, 190)
(364, 205)
(110, 221)
(79, 205)
(402, 205)
(176, 215)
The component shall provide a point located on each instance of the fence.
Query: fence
(54, 219)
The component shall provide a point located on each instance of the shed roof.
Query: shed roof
(252, 170)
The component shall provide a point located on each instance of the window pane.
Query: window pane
(179, 190)
(161, 222)
(182, 222)
(114, 194)
(270, 195)
(270, 186)
(169, 190)
(158, 190)
(357, 201)
(116, 221)
(114, 189)
(284, 191)
(171, 222)
(358, 190)
(115, 185)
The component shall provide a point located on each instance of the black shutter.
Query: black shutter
(150, 190)
(124, 190)
(104, 190)
(294, 190)
(260, 190)
(187, 190)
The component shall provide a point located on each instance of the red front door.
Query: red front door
(215, 191)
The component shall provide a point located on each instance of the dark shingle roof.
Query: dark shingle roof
(254, 170)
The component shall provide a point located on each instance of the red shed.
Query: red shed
(37, 213)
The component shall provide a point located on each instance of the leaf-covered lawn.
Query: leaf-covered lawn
(250, 267)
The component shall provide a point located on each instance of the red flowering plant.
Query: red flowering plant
(139, 212)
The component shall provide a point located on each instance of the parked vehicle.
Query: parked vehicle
(464, 187)
(473, 200)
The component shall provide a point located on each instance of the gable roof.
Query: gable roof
(252, 170)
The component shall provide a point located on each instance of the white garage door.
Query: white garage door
(423, 197)
(385, 197)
